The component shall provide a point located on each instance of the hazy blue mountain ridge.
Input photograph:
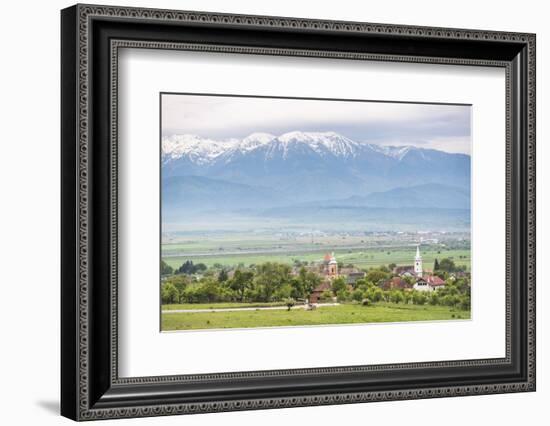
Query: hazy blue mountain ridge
(314, 177)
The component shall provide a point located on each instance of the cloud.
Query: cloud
(444, 127)
(459, 145)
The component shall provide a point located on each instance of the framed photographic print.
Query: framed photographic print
(263, 212)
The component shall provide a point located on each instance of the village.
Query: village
(406, 278)
(347, 293)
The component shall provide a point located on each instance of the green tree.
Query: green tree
(169, 293)
(189, 268)
(165, 269)
(339, 286)
(375, 294)
(396, 296)
(463, 285)
(357, 295)
(307, 281)
(200, 267)
(270, 276)
(344, 295)
(283, 292)
(326, 296)
(180, 282)
(436, 265)
(434, 298)
(186, 268)
(241, 282)
(447, 265)
(465, 302)
(222, 276)
(362, 284)
(419, 298)
(209, 290)
(376, 275)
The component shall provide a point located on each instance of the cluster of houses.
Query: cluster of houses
(410, 277)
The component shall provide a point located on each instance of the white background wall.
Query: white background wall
(29, 212)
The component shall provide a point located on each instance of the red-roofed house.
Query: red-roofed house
(318, 291)
(429, 283)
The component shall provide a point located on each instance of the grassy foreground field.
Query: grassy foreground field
(342, 314)
(222, 305)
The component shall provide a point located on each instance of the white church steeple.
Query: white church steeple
(418, 262)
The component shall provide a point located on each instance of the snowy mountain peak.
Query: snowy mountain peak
(254, 141)
(202, 151)
(260, 137)
(199, 150)
(323, 143)
(304, 137)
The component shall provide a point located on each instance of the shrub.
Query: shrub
(434, 299)
(396, 296)
(326, 296)
(375, 295)
(169, 293)
(357, 295)
(465, 303)
(419, 298)
(344, 295)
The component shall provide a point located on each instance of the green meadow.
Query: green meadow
(361, 258)
(341, 314)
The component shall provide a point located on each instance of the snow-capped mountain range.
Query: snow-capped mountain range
(266, 171)
(204, 151)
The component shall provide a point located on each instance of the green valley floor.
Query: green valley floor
(219, 316)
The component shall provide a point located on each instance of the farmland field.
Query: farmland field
(341, 314)
(360, 257)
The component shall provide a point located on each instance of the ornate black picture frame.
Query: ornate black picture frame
(91, 36)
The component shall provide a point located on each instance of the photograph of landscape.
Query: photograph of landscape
(279, 212)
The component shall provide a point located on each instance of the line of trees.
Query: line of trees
(454, 293)
(274, 282)
(268, 282)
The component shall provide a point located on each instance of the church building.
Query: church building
(330, 266)
(415, 270)
(426, 282)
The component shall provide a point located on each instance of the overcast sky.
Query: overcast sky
(443, 127)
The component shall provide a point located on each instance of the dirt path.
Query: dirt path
(266, 308)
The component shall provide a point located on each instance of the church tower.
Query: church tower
(332, 267)
(418, 263)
